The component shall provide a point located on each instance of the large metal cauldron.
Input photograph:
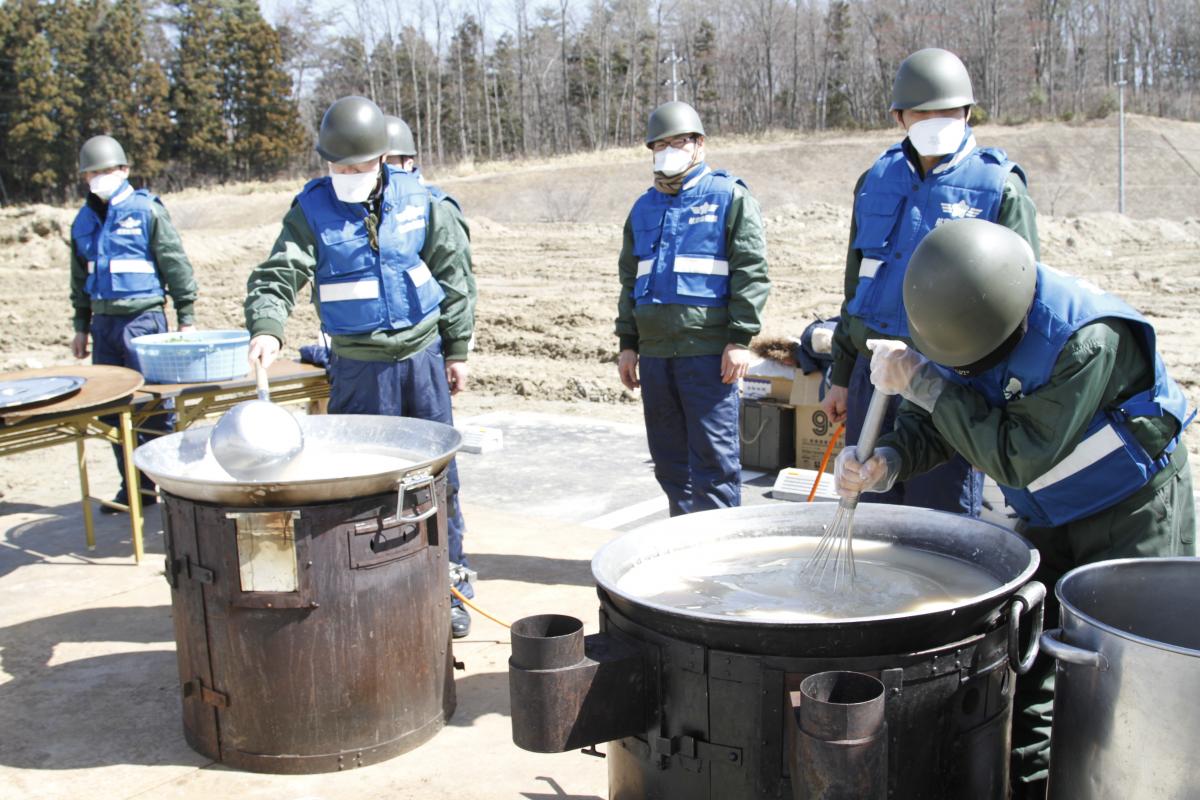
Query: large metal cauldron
(1128, 681)
(311, 615)
(701, 706)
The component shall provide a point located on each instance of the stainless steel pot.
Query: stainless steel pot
(1128, 681)
(183, 463)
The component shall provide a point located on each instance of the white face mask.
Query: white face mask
(671, 161)
(106, 185)
(354, 187)
(937, 136)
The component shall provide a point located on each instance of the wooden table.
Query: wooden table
(107, 391)
(122, 392)
(291, 382)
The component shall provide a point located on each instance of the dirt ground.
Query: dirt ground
(545, 237)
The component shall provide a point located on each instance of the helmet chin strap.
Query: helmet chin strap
(999, 354)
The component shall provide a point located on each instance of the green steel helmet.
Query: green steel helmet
(968, 287)
(932, 80)
(672, 119)
(100, 153)
(400, 138)
(352, 131)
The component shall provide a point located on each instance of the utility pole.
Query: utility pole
(674, 81)
(1121, 128)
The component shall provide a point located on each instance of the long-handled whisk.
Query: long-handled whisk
(835, 552)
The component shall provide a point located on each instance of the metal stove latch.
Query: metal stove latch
(190, 570)
(414, 483)
(210, 696)
(693, 750)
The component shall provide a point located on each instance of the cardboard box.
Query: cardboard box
(813, 433)
(770, 380)
(767, 431)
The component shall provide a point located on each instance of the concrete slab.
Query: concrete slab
(606, 466)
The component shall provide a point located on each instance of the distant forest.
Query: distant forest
(208, 91)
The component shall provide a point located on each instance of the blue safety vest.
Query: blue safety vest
(679, 241)
(360, 289)
(895, 210)
(1108, 464)
(120, 261)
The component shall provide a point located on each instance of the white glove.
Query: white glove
(898, 369)
(852, 478)
(263, 347)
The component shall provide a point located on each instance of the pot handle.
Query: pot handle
(1029, 598)
(409, 484)
(1070, 654)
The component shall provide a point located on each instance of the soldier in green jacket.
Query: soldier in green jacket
(402, 154)
(937, 173)
(392, 284)
(1055, 390)
(693, 271)
(126, 256)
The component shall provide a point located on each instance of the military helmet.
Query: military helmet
(352, 131)
(101, 153)
(400, 138)
(968, 287)
(931, 80)
(672, 119)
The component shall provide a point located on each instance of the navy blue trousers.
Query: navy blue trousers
(112, 338)
(954, 486)
(415, 387)
(692, 429)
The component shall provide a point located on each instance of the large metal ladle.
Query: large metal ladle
(256, 439)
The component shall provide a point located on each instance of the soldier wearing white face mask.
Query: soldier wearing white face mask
(693, 272)
(393, 287)
(126, 256)
(936, 174)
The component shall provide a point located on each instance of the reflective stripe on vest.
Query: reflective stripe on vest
(1108, 464)
(679, 241)
(130, 265)
(895, 209)
(361, 289)
(117, 249)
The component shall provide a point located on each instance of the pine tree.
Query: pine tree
(704, 69)
(838, 110)
(67, 23)
(153, 116)
(200, 141)
(8, 92)
(257, 91)
(33, 133)
(126, 91)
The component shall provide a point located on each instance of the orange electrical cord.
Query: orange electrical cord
(474, 607)
(825, 462)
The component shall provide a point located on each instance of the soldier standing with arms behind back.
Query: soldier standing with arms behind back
(935, 175)
(693, 270)
(125, 257)
(393, 288)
